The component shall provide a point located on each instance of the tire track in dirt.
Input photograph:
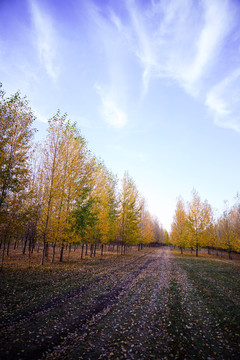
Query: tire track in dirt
(157, 272)
(28, 314)
(102, 302)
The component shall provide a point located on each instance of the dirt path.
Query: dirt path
(148, 309)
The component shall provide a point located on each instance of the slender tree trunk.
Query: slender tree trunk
(61, 253)
(95, 248)
(197, 249)
(29, 253)
(47, 250)
(25, 244)
(8, 246)
(15, 245)
(181, 250)
(53, 252)
(86, 251)
(3, 252)
(82, 251)
(91, 250)
(44, 248)
(101, 249)
(69, 251)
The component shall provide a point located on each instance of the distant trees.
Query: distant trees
(194, 226)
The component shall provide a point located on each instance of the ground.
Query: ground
(153, 304)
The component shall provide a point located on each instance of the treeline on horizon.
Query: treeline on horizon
(57, 194)
(194, 226)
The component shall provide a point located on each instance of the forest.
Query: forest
(57, 195)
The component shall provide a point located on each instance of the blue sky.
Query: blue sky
(154, 87)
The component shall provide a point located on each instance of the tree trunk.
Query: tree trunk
(181, 250)
(69, 251)
(95, 248)
(25, 245)
(43, 252)
(197, 249)
(53, 252)
(61, 253)
(29, 252)
(82, 251)
(3, 252)
(86, 251)
(101, 249)
(8, 246)
(90, 250)
(46, 250)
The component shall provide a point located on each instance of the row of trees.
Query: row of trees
(58, 193)
(194, 225)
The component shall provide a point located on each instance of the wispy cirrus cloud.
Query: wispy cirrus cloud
(114, 93)
(223, 101)
(179, 40)
(110, 111)
(184, 42)
(45, 38)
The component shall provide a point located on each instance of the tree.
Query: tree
(198, 220)
(146, 225)
(226, 230)
(130, 211)
(16, 134)
(235, 216)
(63, 173)
(179, 233)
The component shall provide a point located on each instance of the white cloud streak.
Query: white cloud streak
(45, 39)
(184, 41)
(110, 111)
(223, 101)
(179, 39)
